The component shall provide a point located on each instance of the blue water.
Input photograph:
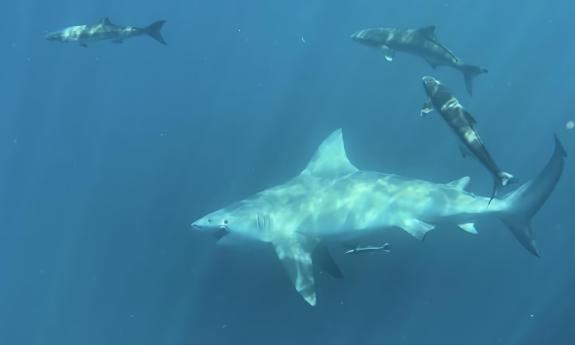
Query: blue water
(108, 153)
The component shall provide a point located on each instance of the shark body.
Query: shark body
(331, 198)
(421, 42)
(105, 30)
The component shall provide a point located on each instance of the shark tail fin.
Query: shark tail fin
(523, 203)
(470, 72)
(154, 30)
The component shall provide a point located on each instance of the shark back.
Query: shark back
(330, 159)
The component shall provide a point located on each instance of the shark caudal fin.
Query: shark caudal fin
(524, 202)
(154, 30)
(470, 72)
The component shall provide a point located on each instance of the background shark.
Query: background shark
(105, 30)
(421, 42)
(463, 125)
(331, 198)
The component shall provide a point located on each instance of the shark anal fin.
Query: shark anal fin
(416, 228)
(426, 108)
(388, 53)
(322, 257)
(295, 254)
(468, 227)
(460, 184)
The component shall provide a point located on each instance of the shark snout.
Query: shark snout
(358, 35)
(430, 83)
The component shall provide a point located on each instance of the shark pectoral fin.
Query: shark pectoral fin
(322, 258)
(460, 184)
(295, 254)
(464, 152)
(469, 118)
(426, 108)
(468, 227)
(388, 53)
(416, 228)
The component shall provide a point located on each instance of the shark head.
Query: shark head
(56, 36)
(372, 37)
(241, 219)
(430, 85)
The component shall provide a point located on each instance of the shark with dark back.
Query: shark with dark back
(105, 30)
(420, 42)
(331, 198)
(463, 125)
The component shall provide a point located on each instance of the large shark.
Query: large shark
(420, 42)
(331, 198)
(105, 30)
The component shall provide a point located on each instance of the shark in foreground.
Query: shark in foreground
(105, 30)
(331, 198)
(463, 125)
(420, 42)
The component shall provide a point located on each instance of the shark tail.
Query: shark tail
(524, 202)
(470, 72)
(154, 30)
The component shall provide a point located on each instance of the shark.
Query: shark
(463, 125)
(105, 30)
(332, 199)
(422, 42)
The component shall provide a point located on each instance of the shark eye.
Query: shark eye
(225, 221)
(209, 220)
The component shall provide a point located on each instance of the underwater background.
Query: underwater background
(109, 152)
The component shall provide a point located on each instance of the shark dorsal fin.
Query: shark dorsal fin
(106, 21)
(330, 159)
(428, 32)
(460, 184)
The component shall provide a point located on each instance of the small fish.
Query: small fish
(369, 249)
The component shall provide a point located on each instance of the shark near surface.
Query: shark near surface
(331, 198)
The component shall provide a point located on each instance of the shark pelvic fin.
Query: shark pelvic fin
(468, 227)
(388, 53)
(460, 184)
(330, 160)
(295, 254)
(416, 228)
